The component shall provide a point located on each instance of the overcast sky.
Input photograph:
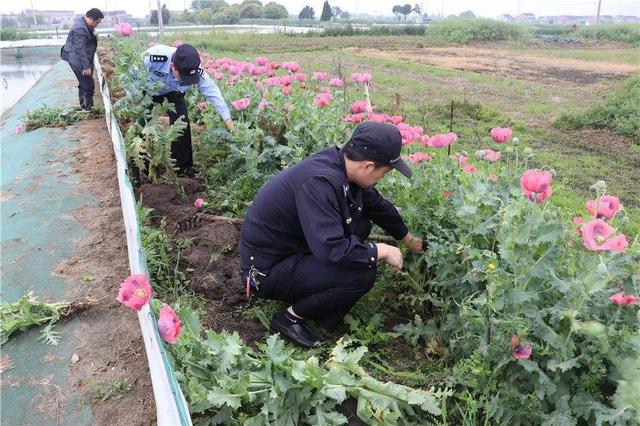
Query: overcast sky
(487, 8)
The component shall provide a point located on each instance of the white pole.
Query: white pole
(598, 15)
(33, 13)
(160, 23)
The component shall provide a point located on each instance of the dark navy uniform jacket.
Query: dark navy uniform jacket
(81, 45)
(312, 208)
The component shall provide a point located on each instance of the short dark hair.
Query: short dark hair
(356, 156)
(94, 14)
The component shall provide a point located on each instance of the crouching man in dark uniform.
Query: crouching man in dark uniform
(79, 50)
(304, 237)
(177, 69)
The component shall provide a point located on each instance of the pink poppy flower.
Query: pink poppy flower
(419, 157)
(520, 351)
(320, 76)
(492, 177)
(607, 208)
(258, 71)
(336, 82)
(622, 300)
(261, 60)
(490, 155)
(462, 160)
(500, 134)
(241, 104)
(361, 77)
(396, 119)
(291, 66)
(287, 90)
(135, 291)
(300, 77)
(198, 203)
(358, 107)
(354, 118)
(286, 80)
(20, 127)
(535, 180)
(322, 100)
(235, 70)
(218, 75)
(124, 30)
(446, 194)
(273, 81)
(597, 236)
(169, 325)
(201, 106)
(442, 140)
(377, 118)
(578, 222)
(470, 168)
(178, 43)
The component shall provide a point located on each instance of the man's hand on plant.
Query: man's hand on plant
(414, 244)
(230, 124)
(86, 71)
(390, 255)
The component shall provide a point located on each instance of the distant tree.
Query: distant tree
(406, 10)
(251, 11)
(183, 17)
(307, 12)
(203, 16)
(166, 16)
(326, 11)
(417, 9)
(229, 15)
(345, 15)
(397, 10)
(467, 14)
(8, 22)
(336, 12)
(215, 5)
(273, 10)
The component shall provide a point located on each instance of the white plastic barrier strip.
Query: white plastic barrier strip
(171, 407)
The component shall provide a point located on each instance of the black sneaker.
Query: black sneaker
(296, 332)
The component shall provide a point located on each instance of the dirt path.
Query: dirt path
(506, 63)
(112, 371)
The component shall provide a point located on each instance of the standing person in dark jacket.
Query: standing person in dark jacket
(304, 237)
(79, 50)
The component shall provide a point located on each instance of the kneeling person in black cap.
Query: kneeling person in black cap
(304, 237)
(177, 69)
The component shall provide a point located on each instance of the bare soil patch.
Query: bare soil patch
(213, 255)
(505, 63)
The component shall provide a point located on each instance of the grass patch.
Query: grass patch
(58, 117)
(458, 30)
(623, 33)
(620, 112)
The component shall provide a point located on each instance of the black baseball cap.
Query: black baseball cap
(379, 142)
(187, 61)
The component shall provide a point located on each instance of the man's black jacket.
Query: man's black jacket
(312, 208)
(80, 46)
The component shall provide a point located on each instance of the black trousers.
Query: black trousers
(86, 88)
(323, 293)
(181, 150)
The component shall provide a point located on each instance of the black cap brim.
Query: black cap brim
(402, 167)
(189, 79)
